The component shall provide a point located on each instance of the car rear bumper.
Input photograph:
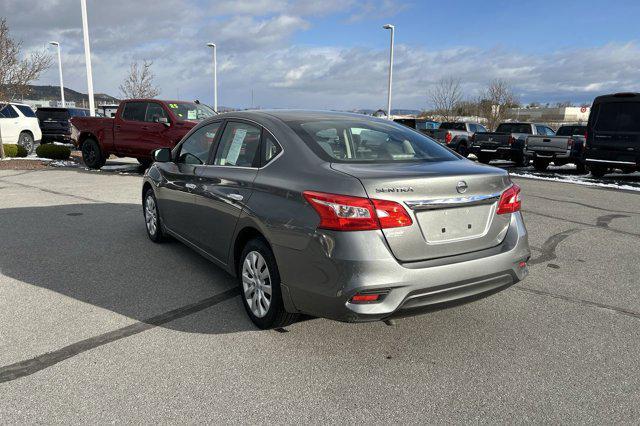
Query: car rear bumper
(57, 137)
(501, 152)
(360, 262)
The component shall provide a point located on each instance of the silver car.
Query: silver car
(337, 215)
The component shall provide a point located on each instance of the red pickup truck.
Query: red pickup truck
(139, 127)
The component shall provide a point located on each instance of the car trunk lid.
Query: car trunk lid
(452, 205)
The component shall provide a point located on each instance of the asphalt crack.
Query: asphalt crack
(41, 362)
(583, 302)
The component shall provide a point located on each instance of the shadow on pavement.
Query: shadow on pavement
(100, 254)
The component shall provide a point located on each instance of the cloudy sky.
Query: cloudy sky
(333, 54)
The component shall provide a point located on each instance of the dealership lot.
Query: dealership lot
(100, 324)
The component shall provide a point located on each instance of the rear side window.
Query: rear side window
(353, 140)
(607, 117)
(238, 145)
(75, 112)
(134, 111)
(6, 111)
(25, 110)
(271, 148)
(480, 128)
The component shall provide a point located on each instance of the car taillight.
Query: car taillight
(570, 143)
(509, 200)
(511, 140)
(447, 137)
(347, 213)
(473, 138)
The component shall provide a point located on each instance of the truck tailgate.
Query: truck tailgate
(548, 144)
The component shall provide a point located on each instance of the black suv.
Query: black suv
(613, 134)
(55, 123)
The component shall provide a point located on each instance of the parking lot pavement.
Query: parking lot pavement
(99, 324)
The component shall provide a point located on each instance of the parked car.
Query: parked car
(420, 124)
(139, 127)
(337, 215)
(456, 135)
(567, 146)
(55, 123)
(19, 125)
(507, 142)
(613, 134)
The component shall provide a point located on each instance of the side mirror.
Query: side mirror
(162, 155)
(163, 120)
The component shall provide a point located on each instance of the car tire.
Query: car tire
(597, 171)
(540, 165)
(26, 141)
(257, 276)
(581, 168)
(463, 150)
(92, 155)
(152, 219)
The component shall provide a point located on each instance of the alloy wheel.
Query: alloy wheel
(256, 284)
(27, 142)
(151, 215)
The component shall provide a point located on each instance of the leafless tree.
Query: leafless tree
(495, 102)
(17, 73)
(139, 82)
(446, 97)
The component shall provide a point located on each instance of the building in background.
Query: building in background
(552, 116)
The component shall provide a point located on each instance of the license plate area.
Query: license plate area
(455, 224)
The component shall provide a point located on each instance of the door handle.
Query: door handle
(235, 197)
(117, 127)
(145, 128)
(191, 185)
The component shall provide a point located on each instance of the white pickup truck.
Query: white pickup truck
(567, 146)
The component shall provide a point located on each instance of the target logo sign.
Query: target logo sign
(583, 109)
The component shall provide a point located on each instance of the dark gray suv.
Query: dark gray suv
(337, 215)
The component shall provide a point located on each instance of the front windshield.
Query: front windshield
(191, 111)
(352, 141)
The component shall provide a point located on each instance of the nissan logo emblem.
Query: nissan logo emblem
(461, 187)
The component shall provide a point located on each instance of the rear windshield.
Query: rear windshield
(354, 141)
(453, 126)
(53, 114)
(619, 116)
(76, 112)
(514, 128)
(571, 130)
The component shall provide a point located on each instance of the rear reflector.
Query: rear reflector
(366, 298)
(448, 137)
(347, 213)
(509, 200)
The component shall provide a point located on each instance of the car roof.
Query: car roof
(299, 115)
(617, 97)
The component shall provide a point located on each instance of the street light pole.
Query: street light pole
(87, 57)
(393, 29)
(55, 43)
(215, 77)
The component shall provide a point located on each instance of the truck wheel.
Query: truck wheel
(521, 160)
(92, 154)
(26, 141)
(259, 282)
(462, 149)
(484, 158)
(540, 165)
(597, 171)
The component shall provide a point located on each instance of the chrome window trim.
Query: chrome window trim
(445, 203)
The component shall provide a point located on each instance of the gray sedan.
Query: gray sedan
(337, 215)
